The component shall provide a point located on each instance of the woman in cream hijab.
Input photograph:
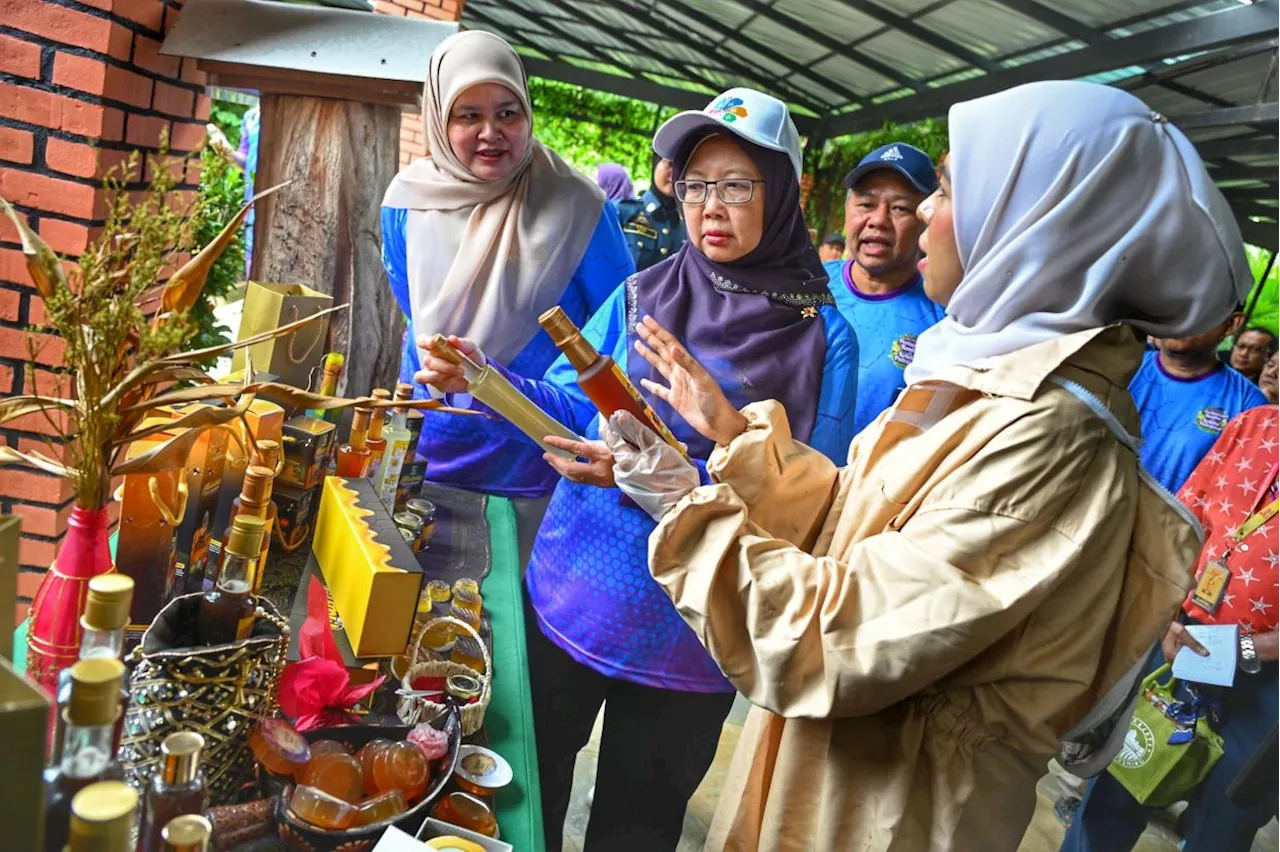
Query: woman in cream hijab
(920, 630)
(482, 236)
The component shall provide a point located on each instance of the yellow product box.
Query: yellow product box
(373, 576)
(266, 420)
(307, 445)
(144, 549)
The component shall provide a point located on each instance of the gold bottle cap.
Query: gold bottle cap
(95, 691)
(181, 757)
(404, 392)
(266, 454)
(381, 394)
(110, 596)
(187, 833)
(256, 490)
(246, 535)
(568, 339)
(102, 817)
(333, 362)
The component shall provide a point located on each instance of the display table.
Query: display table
(509, 719)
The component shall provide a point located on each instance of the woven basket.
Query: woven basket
(413, 709)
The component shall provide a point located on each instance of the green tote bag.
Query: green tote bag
(1154, 771)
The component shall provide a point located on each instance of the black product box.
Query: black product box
(412, 475)
(295, 510)
(308, 445)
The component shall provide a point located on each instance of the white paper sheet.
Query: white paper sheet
(1219, 668)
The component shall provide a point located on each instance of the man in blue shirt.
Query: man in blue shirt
(879, 291)
(1186, 396)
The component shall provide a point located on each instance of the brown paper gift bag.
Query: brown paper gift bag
(296, 357)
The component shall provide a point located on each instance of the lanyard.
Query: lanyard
(1255, 521)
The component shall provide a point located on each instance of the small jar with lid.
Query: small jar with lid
(187, 833)
(102, 817)
(426, 510)
(410, 526)
(466, 597)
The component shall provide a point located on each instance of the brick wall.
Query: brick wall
(412, 144)
(82, 83)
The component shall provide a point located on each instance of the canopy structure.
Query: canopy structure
(850, 65)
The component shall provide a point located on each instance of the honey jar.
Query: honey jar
(426, 510)
(466, 811)
(410, 526)
(467, 652)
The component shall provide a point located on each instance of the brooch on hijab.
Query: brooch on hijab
(1158, 118)
(809, 313)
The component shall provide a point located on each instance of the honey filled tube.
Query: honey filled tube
(492, 388)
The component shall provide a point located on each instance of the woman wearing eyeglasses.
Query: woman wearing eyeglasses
(749, 295)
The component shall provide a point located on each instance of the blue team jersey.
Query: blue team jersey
(465, 452)
(1181, 418)
(887, 327)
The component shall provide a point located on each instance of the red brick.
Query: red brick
(101, 5)
(203, 104)
(145, 131)
(41, 521)
(16, 146)
(52, 194)
(14, 343)
(193, 172)
(192, 74)
(412, 5)
(453, 6)
(57, 23)
(21, 484)
(387, 8)
(187, 136)
(80, 72)
(34, 553)
(174, 101)
(124, 85)
(21, 610)
(120, 45)
(13, 266)
(67, 238)
(10, 302)
(35, 313)
(73, 158)
(60, 113)
(149, 13)
(7, 376)
(146, 54)
(19, 57)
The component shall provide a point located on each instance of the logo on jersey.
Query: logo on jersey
(903, 350)
(892, 154)
(1212, 420)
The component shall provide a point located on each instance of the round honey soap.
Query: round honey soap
(366, 756)
(380, 808)
(338, 775)
(320, 747)
(320, 809)
(402, 766)
(279, 747)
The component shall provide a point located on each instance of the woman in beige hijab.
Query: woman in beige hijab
(480, 237)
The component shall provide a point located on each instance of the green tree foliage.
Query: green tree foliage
(588, 128)
(825, 209)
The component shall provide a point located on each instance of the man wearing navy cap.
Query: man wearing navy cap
(880, 291)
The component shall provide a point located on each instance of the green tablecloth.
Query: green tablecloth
(509, 720)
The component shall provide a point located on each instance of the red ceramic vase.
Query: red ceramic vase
(53, 637)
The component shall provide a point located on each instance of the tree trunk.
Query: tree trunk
(324, 230)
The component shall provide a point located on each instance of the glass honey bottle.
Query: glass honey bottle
(255, 499)
(600, 377)
(331, 373)
(106, 614)
(375, 442)
(226, 612)
(178, 789)
(88, 753)
(187, 833)
(102, 818)
(398, 450)
(355, 455)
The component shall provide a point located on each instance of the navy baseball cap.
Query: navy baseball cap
(907, 160)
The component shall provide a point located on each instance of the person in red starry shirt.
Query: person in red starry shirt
(1233, 492)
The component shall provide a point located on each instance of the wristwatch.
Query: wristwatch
(1249, 662)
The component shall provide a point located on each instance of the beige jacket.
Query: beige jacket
(918, 629)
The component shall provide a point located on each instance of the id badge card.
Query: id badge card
(1211, 587)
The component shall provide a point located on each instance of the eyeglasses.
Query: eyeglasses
(1251, 348)
(730, 191)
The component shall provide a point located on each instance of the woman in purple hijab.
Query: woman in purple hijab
(749, 298)
(615, 182)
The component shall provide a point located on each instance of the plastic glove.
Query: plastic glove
(647, 469)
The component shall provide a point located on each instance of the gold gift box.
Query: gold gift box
(373, 576)
(144, 550)
(266, 420)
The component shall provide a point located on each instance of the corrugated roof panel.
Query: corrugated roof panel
(988, 28)
(1042, 53)
(728, 13)
(785, 41)
(853, 75)
(817, 91)
(904, 7)
(512, 20)
(593, 35)
(552, 44)
(1100, 13)
(681, 83)
(915, 59)
(630, 59)
(690, 51)
(958, 77)
(1208, 134)
(1211, 7)
(1237, 81)
(538, 7)
(602, 67)
(1166, 102)
(616, 19)
(833, 17)
(756, 60)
